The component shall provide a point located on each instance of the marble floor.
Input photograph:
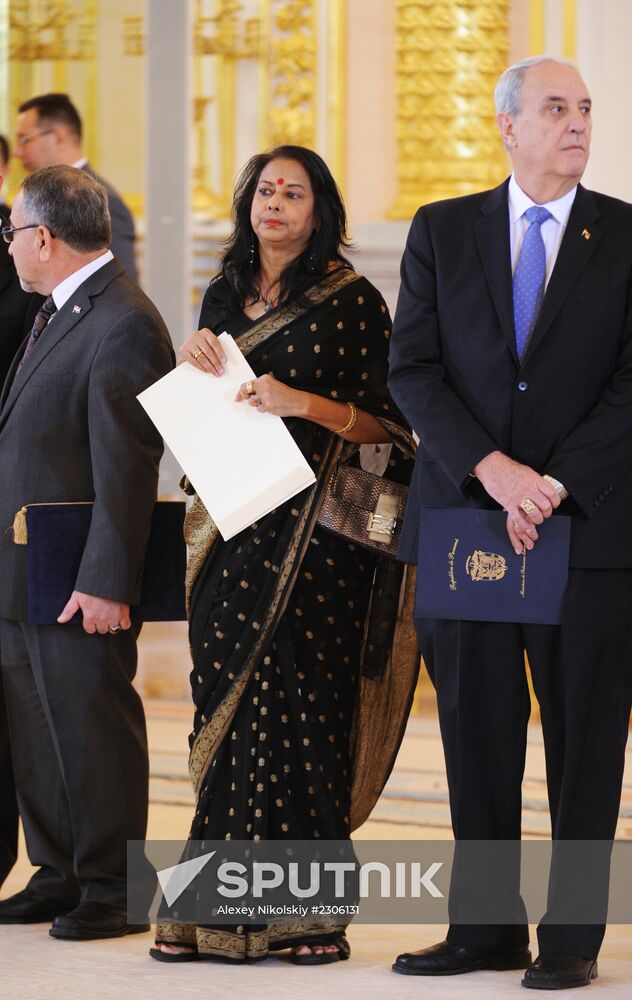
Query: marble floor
(414, 805)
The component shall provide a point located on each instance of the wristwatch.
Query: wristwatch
(559, 487)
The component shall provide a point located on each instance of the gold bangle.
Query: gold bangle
(352, 420)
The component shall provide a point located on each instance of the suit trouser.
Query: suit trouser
(79, 744)
(8, 803)
(582, 677)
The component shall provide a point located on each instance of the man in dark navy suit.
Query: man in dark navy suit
(512, 358)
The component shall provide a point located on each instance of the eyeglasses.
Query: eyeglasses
(22, 140)
(8, 231)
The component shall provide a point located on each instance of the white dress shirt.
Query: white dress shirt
(552, 230)
(65, 288)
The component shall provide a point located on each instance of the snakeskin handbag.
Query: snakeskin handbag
(364, 508)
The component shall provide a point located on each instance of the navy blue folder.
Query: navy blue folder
(57, 534)
(468, 569)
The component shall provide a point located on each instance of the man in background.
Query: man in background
(49, 132)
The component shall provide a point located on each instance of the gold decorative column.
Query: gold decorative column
(4, 66)
(223, 32)
(449, 56)
(302, 73)
(288, 112)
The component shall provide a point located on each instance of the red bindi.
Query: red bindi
(280, 181)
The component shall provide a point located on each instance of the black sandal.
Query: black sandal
(324, 958)
(173, 956)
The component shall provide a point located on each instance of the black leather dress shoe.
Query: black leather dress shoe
(446, 959)
(27, 907)
(557, 971)
(94, 920)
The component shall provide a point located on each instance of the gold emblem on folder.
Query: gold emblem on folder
(485, 566)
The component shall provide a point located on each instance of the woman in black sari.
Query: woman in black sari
(300, 692)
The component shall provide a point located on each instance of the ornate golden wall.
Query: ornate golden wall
(449, 56)
(268, 71)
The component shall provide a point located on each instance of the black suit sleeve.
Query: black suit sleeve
(17, 312)
(598, 451)
(417, 378)
(125, 452)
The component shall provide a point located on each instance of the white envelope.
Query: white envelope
(242, 463)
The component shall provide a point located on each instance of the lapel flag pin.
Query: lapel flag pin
(585, 234)
(77, 309)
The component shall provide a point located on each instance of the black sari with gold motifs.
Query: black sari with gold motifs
(299, 708)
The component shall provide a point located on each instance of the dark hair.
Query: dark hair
(239, 263)
(4, 149)
(57, 108)
(71, 203)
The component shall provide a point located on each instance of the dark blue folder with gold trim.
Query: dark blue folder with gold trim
(468, 569)
(56, 536)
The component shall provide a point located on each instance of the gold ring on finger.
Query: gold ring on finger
(196, 354)
(250, 389)
(527, 506)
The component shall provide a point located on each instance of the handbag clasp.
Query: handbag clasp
(381, 525)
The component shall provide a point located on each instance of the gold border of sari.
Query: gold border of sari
(243, 944)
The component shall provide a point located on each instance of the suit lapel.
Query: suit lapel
(579, 243)
(491, 233)
(73, 312)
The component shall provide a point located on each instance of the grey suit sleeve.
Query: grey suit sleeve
(125, 453)
(417, 378)
(123, 233)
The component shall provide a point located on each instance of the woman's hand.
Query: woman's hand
(270, 396)
(204, 351)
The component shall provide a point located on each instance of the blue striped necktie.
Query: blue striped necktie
(529, 276)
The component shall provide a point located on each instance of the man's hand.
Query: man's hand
(512, 484)
(99, 615)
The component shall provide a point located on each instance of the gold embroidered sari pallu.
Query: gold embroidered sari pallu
(278, 623)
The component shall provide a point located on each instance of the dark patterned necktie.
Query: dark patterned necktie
(47, 309)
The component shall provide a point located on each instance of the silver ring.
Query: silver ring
(114, 629)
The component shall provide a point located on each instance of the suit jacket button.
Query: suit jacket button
(523, 386)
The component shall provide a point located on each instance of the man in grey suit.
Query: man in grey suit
(71, 429)
(48, 132)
